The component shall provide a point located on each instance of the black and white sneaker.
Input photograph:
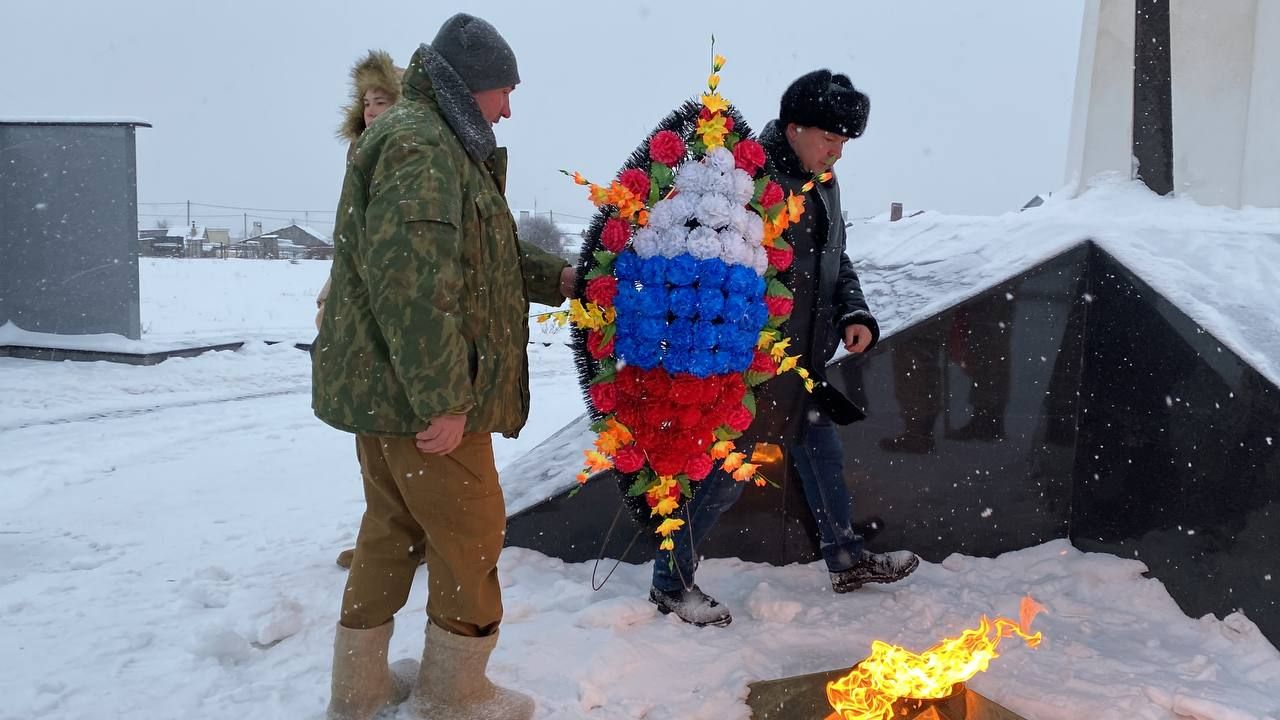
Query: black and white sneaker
(692, 606)
(875, 568)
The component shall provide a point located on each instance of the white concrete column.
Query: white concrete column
(1213, 63)
(1260, 178)
(1102, 113)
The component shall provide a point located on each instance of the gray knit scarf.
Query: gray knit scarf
(458, 106)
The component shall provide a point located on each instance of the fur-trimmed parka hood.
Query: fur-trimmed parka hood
(374, 71)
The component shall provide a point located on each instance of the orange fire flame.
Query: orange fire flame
(892, 673)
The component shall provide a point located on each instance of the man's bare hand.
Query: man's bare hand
(443, 435)
(857, 338)
(568, 279)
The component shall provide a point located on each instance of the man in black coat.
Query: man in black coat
(819, 113)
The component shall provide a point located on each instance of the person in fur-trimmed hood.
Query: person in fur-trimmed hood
(375, 87)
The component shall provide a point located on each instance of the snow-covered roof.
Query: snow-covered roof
(72, 120)
(1217, 265)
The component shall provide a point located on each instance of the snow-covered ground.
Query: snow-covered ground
(167, 533)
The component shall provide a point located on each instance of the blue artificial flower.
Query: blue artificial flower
(702, 364)
(710, 303)
(740, 360)
(741, 280)
(653, 271)
(722, 362)
(757, 290)
(627, 267)
(677, 361)
(705, 335)
(627, 300)
(652, 301)
(680, 334)
(645, 355)
(651, 329)
(711, 273)
(757, 314)
(682, 270)
(624, 344)
(684, 302)
(735, 306)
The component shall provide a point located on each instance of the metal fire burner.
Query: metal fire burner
(804, 697)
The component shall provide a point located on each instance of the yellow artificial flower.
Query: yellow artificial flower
(714, 103)
(718, 62)
(806, 187)
(808, 385)
(761, 481)
(721, 450)
(802, 372)
(712, 131)
(746, 472)
(733, 461)
(825, 177)
(713, 81)
(665, 506)
(765, 340)
(667, 544)
(577, 178)
(788, 364)
(779, 350)
(581, 478)
(669, 526)
(597, 462)
(589, 316)
(795, 207)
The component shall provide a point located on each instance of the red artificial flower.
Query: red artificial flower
(740, 419)
(778, 306)
(629, 381)
(735, 387)
(704, 114)
(748, 156)
(615, 234)
(698, 467)
(629, 459)
(691, 417)
(728, 123)
(686, 389)
(604, 396)
(667, 148)
(710, 391)
(772, 195)
(657, 385)
(637, 181)
(666, 461)
(602, 290)
(781, 258)
(596, 345)
(762, 363)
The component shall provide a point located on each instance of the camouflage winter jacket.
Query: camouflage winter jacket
(428, 309)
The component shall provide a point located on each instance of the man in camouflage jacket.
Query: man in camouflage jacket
(423, 356)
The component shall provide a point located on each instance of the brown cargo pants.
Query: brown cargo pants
(451, 506)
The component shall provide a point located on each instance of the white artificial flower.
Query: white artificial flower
(704, 243)
(693, 178)
(714, 211)
(734, 249)
(672, 241)
(754, 229)
(744, 188)
(760, 259)
(645, 242)
(721, 184)
(721, 159)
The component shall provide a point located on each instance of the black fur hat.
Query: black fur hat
(825, 101)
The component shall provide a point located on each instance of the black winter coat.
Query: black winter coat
(828, 295)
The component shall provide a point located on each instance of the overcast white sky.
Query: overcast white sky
(970, 112)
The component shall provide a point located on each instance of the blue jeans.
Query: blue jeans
(819, 461)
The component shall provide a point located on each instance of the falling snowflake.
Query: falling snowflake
(986, 513)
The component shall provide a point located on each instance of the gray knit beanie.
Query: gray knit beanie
(477, 53)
